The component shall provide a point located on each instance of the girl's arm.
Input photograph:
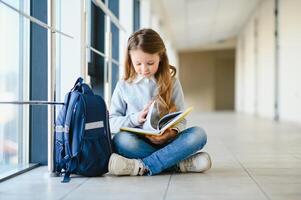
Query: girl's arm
(178, 98)
(118, 117)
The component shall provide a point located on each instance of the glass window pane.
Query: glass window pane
(13, 71)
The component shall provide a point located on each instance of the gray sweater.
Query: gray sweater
(130, 98)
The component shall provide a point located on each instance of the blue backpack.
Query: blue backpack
(82, 134)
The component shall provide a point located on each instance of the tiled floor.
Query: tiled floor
(252, 159)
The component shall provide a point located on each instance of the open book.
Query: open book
(167, 121)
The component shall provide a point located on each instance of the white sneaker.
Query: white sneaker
(119, 165)
(198, 162)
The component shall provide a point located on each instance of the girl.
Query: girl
(149, 77)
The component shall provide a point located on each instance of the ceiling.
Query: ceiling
(203, 24)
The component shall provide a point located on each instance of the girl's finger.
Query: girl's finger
(143, 115)
(148, 137)
(151, 138)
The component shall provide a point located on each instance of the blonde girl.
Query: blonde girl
(149, 77)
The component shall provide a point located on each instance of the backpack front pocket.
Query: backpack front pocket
(94, 155)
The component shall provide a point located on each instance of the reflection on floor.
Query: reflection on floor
(252, 159)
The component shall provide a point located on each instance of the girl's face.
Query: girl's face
(145, 64)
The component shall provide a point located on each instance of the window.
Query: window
(97, 40)
(14, 86)
(136, 16)
(114, 7)
(27, 52)
(103, 42)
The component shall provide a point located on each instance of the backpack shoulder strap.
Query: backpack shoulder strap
(73, 99)
(68, 154)
(59, 134)
(60, 120)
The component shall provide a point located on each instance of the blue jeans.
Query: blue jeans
(157, 158)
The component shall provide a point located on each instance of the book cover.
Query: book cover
(167, 121)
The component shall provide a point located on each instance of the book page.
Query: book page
(172, 119)
(164, 123)
(167, 118)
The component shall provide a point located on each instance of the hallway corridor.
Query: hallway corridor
(252, 159)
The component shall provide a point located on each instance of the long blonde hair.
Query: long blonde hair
(149, 41)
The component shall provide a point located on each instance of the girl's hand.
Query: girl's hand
(165, 137)
(143, 113)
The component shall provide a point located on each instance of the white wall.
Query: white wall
(290, 60)
(70, 50)
(145, 13)
(255, 62)
(265, 60)
(249, 70)
(126, 20)
(239, 72)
